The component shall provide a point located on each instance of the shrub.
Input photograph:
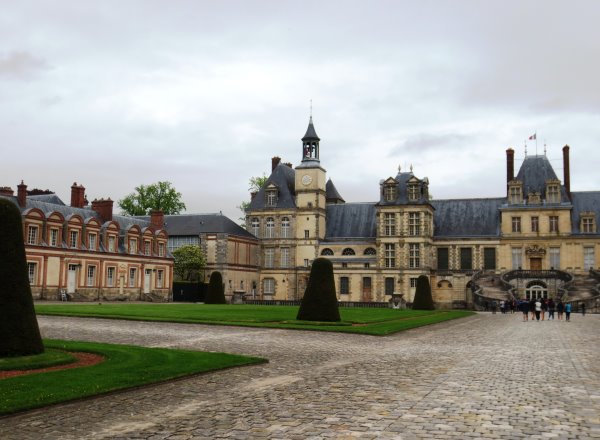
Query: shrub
(216, 292)
(320, 301)
(18, 323)
(423, 299)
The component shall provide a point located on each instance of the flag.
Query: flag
(533, 137)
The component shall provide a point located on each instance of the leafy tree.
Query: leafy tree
(189, 262)
(216, 291)
(254, 185)
(320, 301)
(18, 323)
(156, 196)
(423, 299)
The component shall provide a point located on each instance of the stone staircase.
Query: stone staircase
(582, 288)
(492, 287)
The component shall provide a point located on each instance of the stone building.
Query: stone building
(538, 237)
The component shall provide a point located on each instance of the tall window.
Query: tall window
(161, 249)
(414, 257)
(285, 257)
(92, 241)
(132, 277)
(285, 227)
(390, 193)
(413, 192)
(516, 224)
(553, 223)
(91, 276)
(587, 225)
(270, 228)
(255, 226)
(110, 276)
(344, 285)
(389, 285)
(515, 195)
(53, 237)
(268, 286)
(414, 223)
(553, 194)
(73, 239)
(32, 235)
(269, 257)
(133, 246)
(271, 198)
(554, 254)
(442, 259)
(306, 234)
(147, 247)
(160, 276)
(466, 258)
(389, 224)
(517, 258)
(111, 243)
(535, 224)
(390, 255)
(589, 258)
(32, 272)
(489, 258)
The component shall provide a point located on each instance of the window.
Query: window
(367, 282)
(414, 257)
(32, 235)
(389, 285)
(348, 251)
(515, 196)
(517, 258)
(414, 223)
(147, 247)
(269, 257)
(110, 276)
(91, 276)
(285, 227)
(182, 240)
(327, 252)
(390, 193)
(535, 224)
(413, 283)
(53, 237)
(285, 257)
(413, 192)
(553, 194)
(133, 246)
(161, 249)
(92, 241)
(344, 265)
(442, 259)
(489, 258)
(370, 251)
(32, 272)
(589, 258)
(390, 255)
(270, 228)
(367, 265)
(132, 277)
(111, 243)
(255, 226)
(516, 224)
(554, 253)
(268, 286)
(466, 258)
(588, 225)
(389, 224)
(306, 262)
(73, 239)
(306, 234)
(344, 285)
(160, 276)
(553, 223)
(271, 197)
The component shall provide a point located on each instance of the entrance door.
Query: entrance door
(535, 263)
(147, 275)
(366, 291)
(71, 278)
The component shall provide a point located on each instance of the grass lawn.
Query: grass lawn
(368, 321)
(125, 366)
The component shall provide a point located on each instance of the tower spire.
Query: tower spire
(310, 142)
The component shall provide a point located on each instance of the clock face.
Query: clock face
(306, 179)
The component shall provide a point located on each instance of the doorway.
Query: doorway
(535, 263)
(147, 278)
(536, 290)
(71, 278)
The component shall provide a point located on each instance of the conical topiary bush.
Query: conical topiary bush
(320, 301)
(215, 293)
(423, 299)
(19, 331)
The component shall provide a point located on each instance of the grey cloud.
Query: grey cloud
(21, 65)
(425, 143)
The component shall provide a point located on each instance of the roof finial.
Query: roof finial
(311, 108)
(411, 168)
(399, 168)
(525, 148)
(544, 147)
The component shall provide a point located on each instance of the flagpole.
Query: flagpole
(536, 142)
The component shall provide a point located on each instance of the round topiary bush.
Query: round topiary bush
(320, 301)
(215, 293)
(18, 323)
(423, 299)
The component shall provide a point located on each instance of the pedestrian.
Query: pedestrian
(532, 308)
(494, 305)
(582, 309)
(568, 311)
(544, 308)
(551, 307)
(538, 309)
(524, 307)
(560, 308)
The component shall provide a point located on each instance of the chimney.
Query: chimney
(6, 191)
(510, 165)
(566, 170)
(253, 194)
(274, 162)
(22, 194)
(157, 218)
(289, 164)
(77, 195)
(104, 208)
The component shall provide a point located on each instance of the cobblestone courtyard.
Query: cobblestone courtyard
(488, 376)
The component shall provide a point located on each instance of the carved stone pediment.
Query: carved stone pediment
(535, 251)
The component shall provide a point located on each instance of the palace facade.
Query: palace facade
(380, 248)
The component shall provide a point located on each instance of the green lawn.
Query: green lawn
(369, 321)
(126, 366)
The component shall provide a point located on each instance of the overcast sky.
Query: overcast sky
(114, 94)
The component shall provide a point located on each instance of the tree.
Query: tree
(423, 299)
(189, 262)
(254, 185)
(320, 301)
(216, 292)
(18, 323)
(156, 196)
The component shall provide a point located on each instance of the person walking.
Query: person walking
(544, 308)
(524, 307)
(532, 308)
(551, 307)
(582, 309)
(538, 309)
(560, 308)
(568, 311)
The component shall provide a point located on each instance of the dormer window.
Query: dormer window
(588, 222)
(515, 193)
(390, 192)
(271, 197)
(413, 192)
(553, 192)
(534, 198)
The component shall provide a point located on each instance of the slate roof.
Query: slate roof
(196, 224)
(284, 178)
(332, 194)
(311, 134)
(584, 201)
(49, 198)
(350, 220)
(467, 217)
(534, 172)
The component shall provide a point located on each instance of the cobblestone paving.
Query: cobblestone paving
(488, 376)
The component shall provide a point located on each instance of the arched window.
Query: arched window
(255, 226)
(327, 252)
(285, 227)
(370, 251)
(270, 228)
(348, 251)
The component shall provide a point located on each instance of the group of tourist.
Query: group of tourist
(536, 308)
